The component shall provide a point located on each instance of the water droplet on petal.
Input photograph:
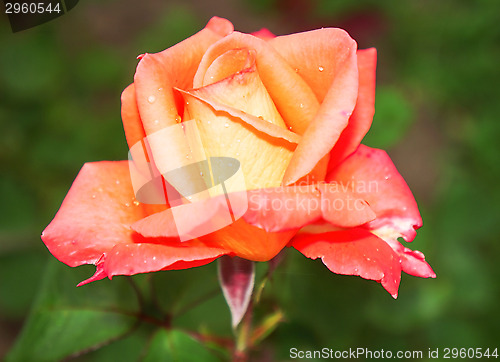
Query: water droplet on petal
(178, 119)
(208, 122)
(301, 105)
(201, 174)
(290, 128)
(226, 125)
(260, 117)
(127, 204)
(154, 257)
(296, 70)
(160, 89)
(320, 68)
(93, 196)
(136, 203)
(151, 99)
(238, 140)
(156, 122)
(117, 182)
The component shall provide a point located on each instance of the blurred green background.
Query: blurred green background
(437, 114)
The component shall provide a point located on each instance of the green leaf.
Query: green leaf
(66, 320)
(177, 346)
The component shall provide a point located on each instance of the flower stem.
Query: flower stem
(243, 333)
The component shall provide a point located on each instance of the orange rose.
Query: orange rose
(292, 110)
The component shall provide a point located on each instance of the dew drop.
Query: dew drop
(151, 99)
(154, 257)
(368, 259)
(355, 270)
(226, 125)
(187, 103)
(208, 122)
(290, 128)
(201, 174)
(160, 89)
(145, 261)
(238, 140)
(237, 153)
(320, 68)
(127, 204)
(136, 203)
(189, 197)
(301, 105)
(296, 70)
(93, 196)
(117, 182)
(260, 117)
(178, 119)
(156, 122)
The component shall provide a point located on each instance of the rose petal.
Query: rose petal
(130, 259)
(95, 215)
(248, 241)
(354, 252)
(156, 76)
(288, 208)
(132, 124)
(264, 34)
(223, 112)
(412, 261)
(293, 98)
(195, 219)
(362, 116)
(375, 179)
(326, 60)
(259, 124)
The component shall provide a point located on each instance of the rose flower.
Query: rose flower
(291, 112)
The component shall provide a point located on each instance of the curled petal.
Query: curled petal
(326, 60)
(412, 261)
(354, 252)
(362, 116)
(293, 98)
(257, 123)
(155, 79)
(95, 215)
(375, 179)
(132, 124)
